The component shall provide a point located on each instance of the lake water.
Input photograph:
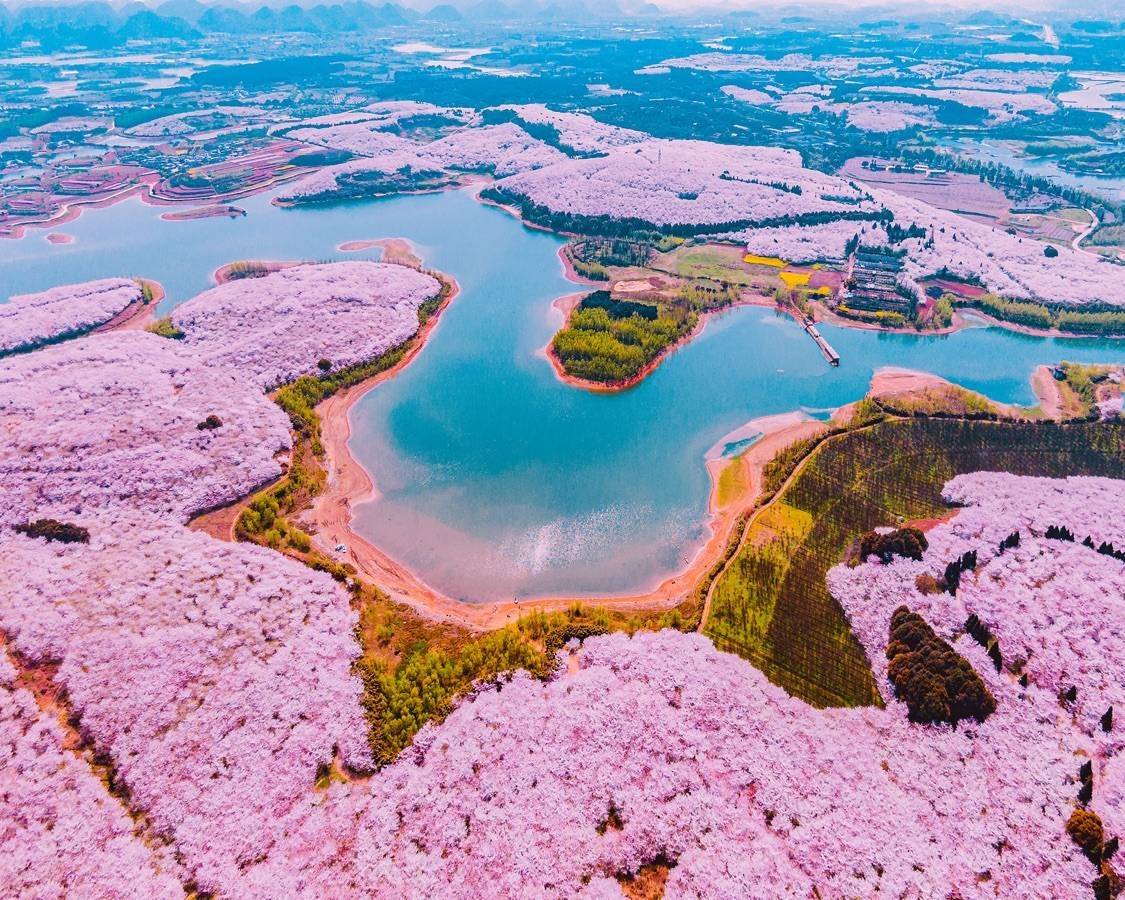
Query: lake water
(1110, 187)
(496, 479)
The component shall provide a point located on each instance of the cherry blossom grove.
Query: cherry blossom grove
(396, 163)
(62, 831)
(809, 243)
(577, 131)
(278, 327)
(869, 115)
(692, 182)
(504, 149)
(623, 175)
(29, 320)
(1004, 263)
(215, 676)
(832, 66)
(748, 791)
(688, 182)
(1001, 106)
(112, 421)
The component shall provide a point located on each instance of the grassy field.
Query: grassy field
(772, 606)
(733, 482)
(716, 262)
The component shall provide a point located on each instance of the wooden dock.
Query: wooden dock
(826, 348)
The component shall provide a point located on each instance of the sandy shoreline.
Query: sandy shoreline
(891, 380)
(204, 212)
(136, 316)
(1047, 392)
(349, 483)
(222, 275)
(395, 250)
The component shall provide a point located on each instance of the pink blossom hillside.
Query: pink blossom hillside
(32, 319)
(1050, 603)
(276, 328)
(581, 133)
(216, 677)
(113, 421)
(662, 747)
(504, 149)
(62, 834)
(688, 182)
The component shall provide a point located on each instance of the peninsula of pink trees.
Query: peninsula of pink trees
(278, 327)
(504, 149)
(688, 182)
(1004, 263)
(63, 834)
(830, 66)
(30, 320)
(775, 204)
(111, 421)
(579, 132)
(393, 163)
(1002, 107)
(869, 115)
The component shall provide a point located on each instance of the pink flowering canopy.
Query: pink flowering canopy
(61, 833)
(216, 679)
(276, 328)
(29, 320)
(216, 676)
(110, 421)
(702, 760)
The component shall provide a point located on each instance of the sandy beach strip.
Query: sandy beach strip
(204, 212)
(136, 316)
(223, 274)
(395, 250)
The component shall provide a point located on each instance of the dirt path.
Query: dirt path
(1079, 238)
(1047, 393)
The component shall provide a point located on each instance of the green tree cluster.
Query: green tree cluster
(909, 543)
(598, 347)
(936, 683)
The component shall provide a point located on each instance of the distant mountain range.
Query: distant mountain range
(96, 24)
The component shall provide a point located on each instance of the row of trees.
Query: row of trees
(1094, 321)
(613, 226)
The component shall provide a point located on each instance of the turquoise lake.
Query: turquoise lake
(497, 480)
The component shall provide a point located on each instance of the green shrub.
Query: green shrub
(164, 328)
(54, 530)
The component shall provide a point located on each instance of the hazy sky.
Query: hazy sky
(904, 6)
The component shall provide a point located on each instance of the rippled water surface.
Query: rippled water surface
(496, 480)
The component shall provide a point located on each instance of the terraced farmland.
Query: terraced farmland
(771, 604)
